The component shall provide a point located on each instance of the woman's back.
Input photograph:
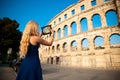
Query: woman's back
(32, 50)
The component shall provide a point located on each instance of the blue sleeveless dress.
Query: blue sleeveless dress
(30, 68)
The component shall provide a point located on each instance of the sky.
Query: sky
(42, 11)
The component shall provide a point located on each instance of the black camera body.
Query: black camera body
(46, 29)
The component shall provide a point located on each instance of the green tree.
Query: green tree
(9, 37)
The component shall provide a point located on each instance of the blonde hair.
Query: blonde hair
(30, 29)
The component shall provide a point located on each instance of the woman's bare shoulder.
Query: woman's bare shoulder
(35, 39)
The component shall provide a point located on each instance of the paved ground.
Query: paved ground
(52, 72)
(6, 72)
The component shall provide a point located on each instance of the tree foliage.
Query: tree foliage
(9, 35)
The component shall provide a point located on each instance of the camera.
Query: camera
(46, 29)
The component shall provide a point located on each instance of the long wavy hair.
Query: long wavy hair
(30, 30)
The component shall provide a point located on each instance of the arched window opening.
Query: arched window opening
(65, 47)
(96, 21)
(85, 44)
(73, 11)
(99, 42)
(115, 41)
(74, 28)
(53, 49)
(57, 60)
(82, 7)
(93, 2)
(106, 0)
(54, 22)
(46, 50)
(52, 59)
(59, 19)
(49, 50)
(111, 18)
(66, 30)
(59, 33)
(48, 60)
(65, 16)
(58, 48)
(74, 46)
(84, 25)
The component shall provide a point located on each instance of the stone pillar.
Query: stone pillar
(118, 9)
(54, 60)
(46, 50)
(103, 19)
(69, 47)
(62, 32)
(55, 38)
(78, 26)
(106, 41)
(51, 50)
(90, 26)
(61, 48)
(56, 34)
(69, 30)
(91, 45)
(55, 49)
(79, 45)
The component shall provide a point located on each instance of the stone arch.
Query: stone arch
(114, 40)
(52, 59)
(96, 21)
(110, 15)
(46, 50)
(58, 48)
(57, 59)
(99, 42)
(74, 27)
(48, 60)
(73, 45)
(84, 24)
(55, 35)
(65, 30)
(65, 47)
(53, 49)
(85, 44)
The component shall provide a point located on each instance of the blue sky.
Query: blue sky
(42, 11)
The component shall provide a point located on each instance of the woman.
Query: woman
(30, 68)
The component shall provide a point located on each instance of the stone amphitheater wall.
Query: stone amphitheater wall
(106, 56)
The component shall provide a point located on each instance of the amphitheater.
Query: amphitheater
(76, 25)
